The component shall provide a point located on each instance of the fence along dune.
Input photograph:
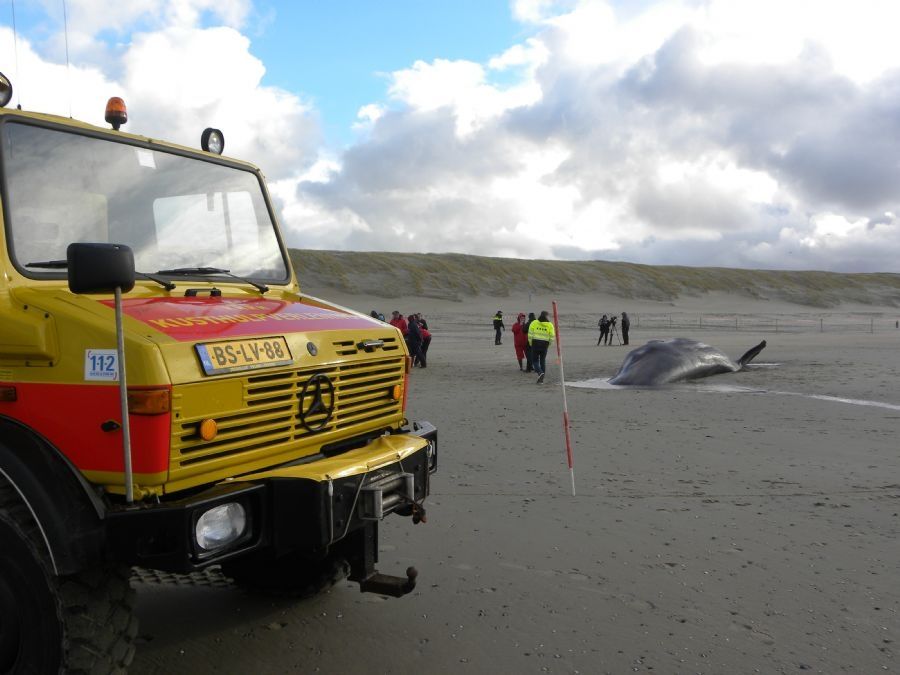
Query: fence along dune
(453, 276)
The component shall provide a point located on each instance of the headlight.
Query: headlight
(212, 140)
(220, 526)
(6, 90)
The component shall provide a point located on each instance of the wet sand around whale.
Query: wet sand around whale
(718, 527)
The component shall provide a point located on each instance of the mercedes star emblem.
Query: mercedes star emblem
(317, 398)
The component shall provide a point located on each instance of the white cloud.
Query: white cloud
(176, 81)
(828, 225)
(462, 88)
(859, 37)
(183, 80)
(369, 114)
(533, 11)
(723, 132)
(94, 16)
(79, 90)
(531, 54)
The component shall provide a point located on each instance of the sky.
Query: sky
(729, 133)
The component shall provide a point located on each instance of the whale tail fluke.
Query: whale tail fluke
(751, 354)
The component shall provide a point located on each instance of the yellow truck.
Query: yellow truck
(170, 399)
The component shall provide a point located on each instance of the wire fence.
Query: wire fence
(670, 323)
(833, 323)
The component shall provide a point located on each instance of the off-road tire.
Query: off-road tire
(82, 624)
(291, 576)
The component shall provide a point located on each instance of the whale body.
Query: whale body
(676, 360)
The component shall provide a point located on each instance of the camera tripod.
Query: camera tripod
(614, 331)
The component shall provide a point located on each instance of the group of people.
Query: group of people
(608, 326)
(415, 332)
(531, 338)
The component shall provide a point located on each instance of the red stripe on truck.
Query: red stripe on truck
(192, 319)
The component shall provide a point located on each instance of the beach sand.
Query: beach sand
(746, 523)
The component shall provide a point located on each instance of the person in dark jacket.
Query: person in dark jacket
(529, 365)
(540, 334)
(604, 330)
(414, 341)
(498, 327)
(426, 342)
(426, 335)
(626, 324)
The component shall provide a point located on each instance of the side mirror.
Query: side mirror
(100, 268)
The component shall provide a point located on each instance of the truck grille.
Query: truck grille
(269, 425)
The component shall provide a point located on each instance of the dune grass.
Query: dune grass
(455, 276)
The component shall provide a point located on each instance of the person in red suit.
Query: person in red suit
(520, 338)
(398, 321)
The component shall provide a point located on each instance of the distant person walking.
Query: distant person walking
(540, 335)
(520, 338)
(529, 363)
(414, 340)
(426, 334)
(426, 342)
(626, 324)
(604, 329)
(498, 327)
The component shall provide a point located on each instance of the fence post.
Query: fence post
(872, 326)
(700, 323)
(776, 324)
(821, 325)
(735, 322)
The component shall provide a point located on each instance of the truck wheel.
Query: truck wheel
(293, 575)
(77, 624)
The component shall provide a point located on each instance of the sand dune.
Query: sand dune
(460, 277)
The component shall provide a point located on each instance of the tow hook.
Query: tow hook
(418, 515)
(386, 584)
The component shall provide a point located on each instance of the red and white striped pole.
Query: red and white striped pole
(562, 378)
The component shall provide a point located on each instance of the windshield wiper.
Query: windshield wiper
(187, 271)
(64, 264)
(168, 285)
(50, 264)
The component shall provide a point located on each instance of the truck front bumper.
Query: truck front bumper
(309, 506)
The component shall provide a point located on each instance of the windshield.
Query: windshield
(173, 211)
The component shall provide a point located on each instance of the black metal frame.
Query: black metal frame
(284, 515)
(15, 117)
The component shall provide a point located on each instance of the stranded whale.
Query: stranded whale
(676, 359)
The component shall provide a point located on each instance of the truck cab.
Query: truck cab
(229, 420)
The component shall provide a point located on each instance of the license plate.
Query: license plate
(235, 355)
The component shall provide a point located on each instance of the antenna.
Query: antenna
(16, 50)
(68, 69)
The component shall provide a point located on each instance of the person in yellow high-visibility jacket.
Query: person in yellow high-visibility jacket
(540, 335)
